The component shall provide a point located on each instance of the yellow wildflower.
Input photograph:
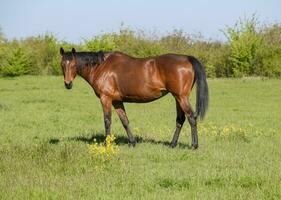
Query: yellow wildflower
(105, 151)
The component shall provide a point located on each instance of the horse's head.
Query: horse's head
(69, 66)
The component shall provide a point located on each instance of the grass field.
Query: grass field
(45, 132)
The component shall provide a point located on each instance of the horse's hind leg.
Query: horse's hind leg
(179, 123)
(119, 107)
(186, 107)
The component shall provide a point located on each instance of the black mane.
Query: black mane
(90, 59)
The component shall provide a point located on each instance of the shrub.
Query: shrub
(44, 53)
(251, 50)
(176, 42)
(245, 42)
(17, 64)
(137, 44)
(104, 42)
(269, 54)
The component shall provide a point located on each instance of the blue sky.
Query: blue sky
(74, 20)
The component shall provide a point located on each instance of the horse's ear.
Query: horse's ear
(73, 51)
(61, 51)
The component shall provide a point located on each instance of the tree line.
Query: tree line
(250, 50)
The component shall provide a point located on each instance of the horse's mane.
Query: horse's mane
(89, 59)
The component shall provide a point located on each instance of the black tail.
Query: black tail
(202, 94)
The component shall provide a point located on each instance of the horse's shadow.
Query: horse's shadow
(120, 140)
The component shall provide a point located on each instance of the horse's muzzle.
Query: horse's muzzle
(68, 85)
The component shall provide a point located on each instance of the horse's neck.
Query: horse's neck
(84, 73)
(87, 73)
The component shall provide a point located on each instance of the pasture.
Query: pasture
(45, 132)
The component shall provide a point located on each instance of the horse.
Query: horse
(117, 78)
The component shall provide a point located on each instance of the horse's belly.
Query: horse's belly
(145, 97)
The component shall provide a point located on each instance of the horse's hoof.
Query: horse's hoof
(132, 144)
(194, 146)
(173, 145)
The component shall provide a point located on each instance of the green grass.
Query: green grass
(45, 131)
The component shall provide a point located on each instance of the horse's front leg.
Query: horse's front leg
(106, 106)
(120, 109)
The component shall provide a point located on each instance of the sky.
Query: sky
(74, 20)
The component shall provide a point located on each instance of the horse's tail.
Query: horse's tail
(202, 94)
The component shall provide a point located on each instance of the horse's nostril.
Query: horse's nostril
(68, 85)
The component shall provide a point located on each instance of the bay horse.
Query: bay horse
(117, 77)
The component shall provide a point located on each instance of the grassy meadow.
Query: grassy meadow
(45, 132)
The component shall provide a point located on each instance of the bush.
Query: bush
(3, 60)
(245, 42)
(17, 64)
(44, 53)
(104, 42)
(176, 42)
(137, 44)
(269, 54)
(251, 50)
